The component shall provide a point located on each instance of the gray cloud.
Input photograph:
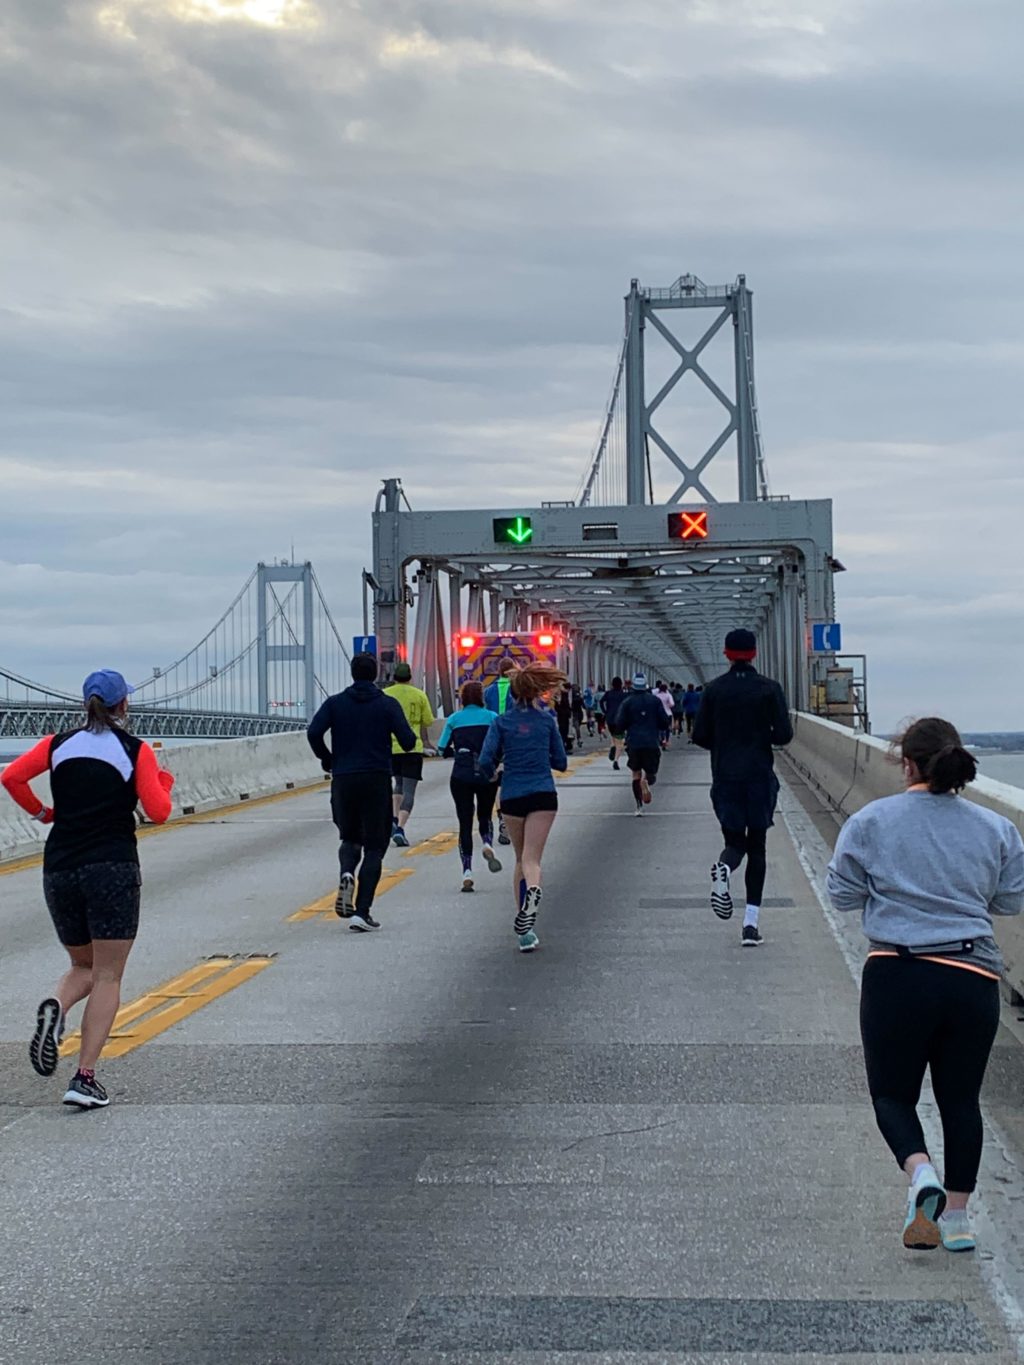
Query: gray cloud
(254, 268)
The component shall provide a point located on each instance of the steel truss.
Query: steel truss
(24, 720)
(734, 303)
(633, 599)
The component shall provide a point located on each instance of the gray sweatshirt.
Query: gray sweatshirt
(929, 870)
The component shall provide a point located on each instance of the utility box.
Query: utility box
(840, 697)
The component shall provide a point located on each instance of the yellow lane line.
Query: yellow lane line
(198, 818)
(437, 843)
(158, 1010)
(324, 907)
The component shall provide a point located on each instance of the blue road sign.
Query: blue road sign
(827, 637)
(364, 644)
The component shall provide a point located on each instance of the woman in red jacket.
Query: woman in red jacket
(91, 878)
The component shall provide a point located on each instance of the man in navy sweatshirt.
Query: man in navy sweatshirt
(361, 721)
(642, 718)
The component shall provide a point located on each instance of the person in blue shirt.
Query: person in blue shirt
(611, 702)
(464, 733)
(588, 706)
(526, 740)
(692, 698)
(642, 718)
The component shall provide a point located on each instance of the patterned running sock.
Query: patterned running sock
(750, 916)
(522, 891)
(467, 862)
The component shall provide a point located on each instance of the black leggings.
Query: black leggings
(916, 1015)
(361, 807)
(749, 844)
(470, 798)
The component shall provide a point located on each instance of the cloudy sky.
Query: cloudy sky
(258, 254)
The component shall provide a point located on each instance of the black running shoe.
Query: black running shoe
(44, 1048)
(751, 937)
(85, 1092)
(344, 904)
(721, 896)
(362, 922)
(527, 916)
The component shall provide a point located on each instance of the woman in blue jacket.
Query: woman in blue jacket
(471, 791)
(527, 741)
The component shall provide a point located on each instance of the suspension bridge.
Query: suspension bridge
(642, 568)
(267, 663)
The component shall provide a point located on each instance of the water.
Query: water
(1002, 768)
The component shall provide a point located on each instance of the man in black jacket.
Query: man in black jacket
(742, 714)
(361, 721)
(644, 721)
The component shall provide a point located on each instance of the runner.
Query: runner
(407, 769)
(599, 720)
(498, 698)
(91, 877)
(644, 721)
(588, 707)
(526, 739)
(466, 732)
(691, 705)
(562, 703)
(578, 714)
(928, 871)
(741, 716)
(678, 714)
(664, 695)
(611, 704)
(362, 721)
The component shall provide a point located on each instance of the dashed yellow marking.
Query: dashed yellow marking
(159, 1009)
(437, 843)
(324, 907)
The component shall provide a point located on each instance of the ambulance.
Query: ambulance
(478, 654)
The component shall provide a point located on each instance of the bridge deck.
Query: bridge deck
(641, 1144)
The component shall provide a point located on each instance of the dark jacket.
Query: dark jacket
(642, 718)
(361, 721)
(742, 714)
(610, 704)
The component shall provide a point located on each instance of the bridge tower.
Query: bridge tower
(301, 651)
(733, 302)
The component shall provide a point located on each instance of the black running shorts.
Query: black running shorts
(409, 766)
(644, 760)
(97, 901)
(519, 807)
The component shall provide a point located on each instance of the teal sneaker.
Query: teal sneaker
(925, 1204)
(528, 942)
(956, 1231)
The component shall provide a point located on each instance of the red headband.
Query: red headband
(740, 656)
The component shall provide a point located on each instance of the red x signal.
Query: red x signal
(688, 525)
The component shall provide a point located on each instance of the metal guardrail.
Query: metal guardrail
(26, 720)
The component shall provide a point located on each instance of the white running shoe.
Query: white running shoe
(491, 859)
(467, 881)
(721, 896)
(527, 916)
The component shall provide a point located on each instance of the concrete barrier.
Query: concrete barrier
(849, 770)
(207, 776)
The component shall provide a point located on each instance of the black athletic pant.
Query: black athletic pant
(916, 1015)
(471, 799)
(749, 844)
(361, 808)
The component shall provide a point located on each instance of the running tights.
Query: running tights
(361, 808)
(917, 1015)
(749, 844)
(470, 798)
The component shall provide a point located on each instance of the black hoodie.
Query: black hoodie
(361, 721)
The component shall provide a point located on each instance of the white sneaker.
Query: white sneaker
(491, 859)
(467, 881)
(721, 896)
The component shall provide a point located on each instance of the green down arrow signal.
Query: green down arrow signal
(518, 529)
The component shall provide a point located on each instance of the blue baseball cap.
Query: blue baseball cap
(108, 685)
(639, 681)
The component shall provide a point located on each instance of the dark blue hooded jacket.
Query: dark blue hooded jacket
(361, 721)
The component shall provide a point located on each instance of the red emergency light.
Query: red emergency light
(467, 641)
(546, 641)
